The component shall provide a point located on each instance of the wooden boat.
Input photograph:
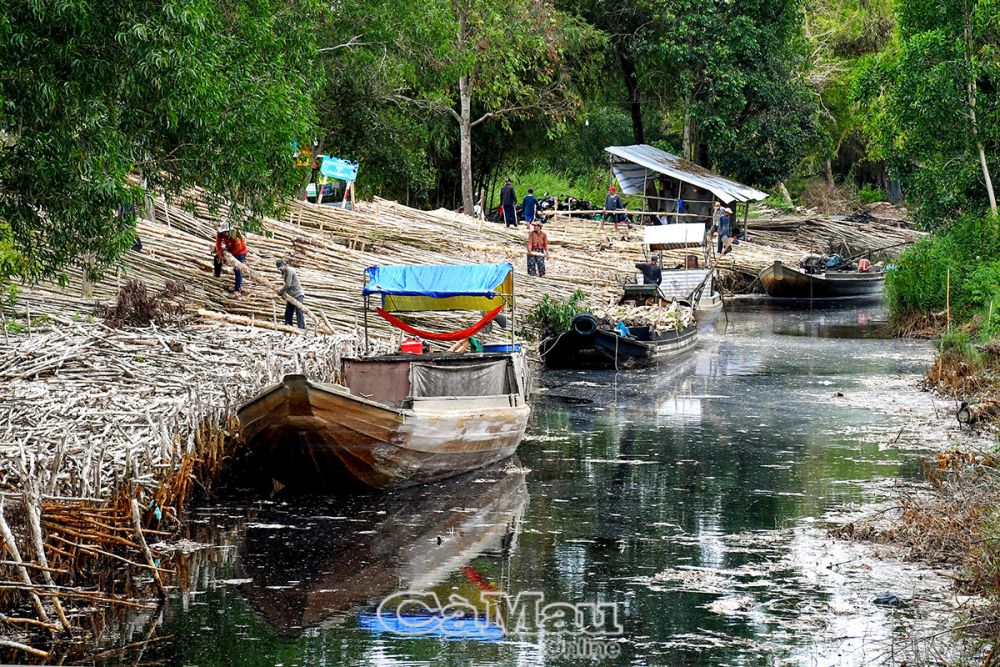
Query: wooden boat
(401, 419)
(586, 345)
(709, 307)
(786, 282)
(323, 571)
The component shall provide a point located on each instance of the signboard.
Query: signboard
(334, 167)
(668, 237)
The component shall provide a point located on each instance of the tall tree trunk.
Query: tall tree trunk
(632, 88)
(465, 140)
(971, 92)
(828, 167)
(784, 193)
(690, 136)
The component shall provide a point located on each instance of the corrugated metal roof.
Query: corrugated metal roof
(654, 159)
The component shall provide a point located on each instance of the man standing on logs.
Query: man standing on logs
(292, 288)
(508, 202)
(237, 247)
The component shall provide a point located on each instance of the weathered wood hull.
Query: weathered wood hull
(605, 349)
(318, 436)
(709, 307)
(785, 282)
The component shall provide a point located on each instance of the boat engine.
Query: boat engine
(813, 263)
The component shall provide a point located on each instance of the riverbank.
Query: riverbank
(96, 414)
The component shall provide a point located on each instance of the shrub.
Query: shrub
(553, 315)
(870, 195)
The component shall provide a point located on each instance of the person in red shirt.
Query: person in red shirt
(237, 247)
(538, 250)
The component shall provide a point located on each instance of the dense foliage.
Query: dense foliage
(175, 92)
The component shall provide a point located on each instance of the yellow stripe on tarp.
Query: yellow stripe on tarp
(395, 303)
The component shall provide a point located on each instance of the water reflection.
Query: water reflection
(310, 570)
(690, 496)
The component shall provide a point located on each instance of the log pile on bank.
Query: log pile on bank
(96, 420)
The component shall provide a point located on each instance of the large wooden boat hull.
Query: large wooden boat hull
(606, 349)
(785, 282)
(709, 307)
(318, 436)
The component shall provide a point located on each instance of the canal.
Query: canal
(694, 501)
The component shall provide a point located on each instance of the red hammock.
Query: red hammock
(430, 335)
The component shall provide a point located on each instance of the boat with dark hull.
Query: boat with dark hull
(398, 420)
(587, 345)
(785, 282)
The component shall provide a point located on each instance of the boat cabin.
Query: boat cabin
(412, 381)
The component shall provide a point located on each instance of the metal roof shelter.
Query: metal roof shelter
(634, 164)
(663, 179)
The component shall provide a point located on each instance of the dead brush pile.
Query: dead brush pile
(136, 307)
(957, 525)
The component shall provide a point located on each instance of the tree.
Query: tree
(482, 60)
(931, 105)
(179, 92)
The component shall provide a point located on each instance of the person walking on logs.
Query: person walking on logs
(529, 207)
(293, 288)
(227, 240)
(508, 202)
(614, 204)
(538, 250)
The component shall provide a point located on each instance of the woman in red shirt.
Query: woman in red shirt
(237, 247)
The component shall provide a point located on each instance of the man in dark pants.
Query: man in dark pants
(292, 288)
(508, 202)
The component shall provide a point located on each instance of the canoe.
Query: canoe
(322, 571)
(584, 347)
(397, 421)
(786, 282)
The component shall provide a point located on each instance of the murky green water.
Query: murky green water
(692, 498)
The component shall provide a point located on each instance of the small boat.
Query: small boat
(398, 420)
(687, 283)
(786, 282)
(587, 345)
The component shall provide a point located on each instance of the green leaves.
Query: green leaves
(185, 92)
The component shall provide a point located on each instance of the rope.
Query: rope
(430, 335)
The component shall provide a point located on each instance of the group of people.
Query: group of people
(228, 240)
(508, 205)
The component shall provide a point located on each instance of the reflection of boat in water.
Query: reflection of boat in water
(399, 420)
(318, 574)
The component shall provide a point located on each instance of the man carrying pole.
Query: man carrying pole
(293, 288)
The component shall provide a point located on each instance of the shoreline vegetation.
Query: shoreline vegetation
(947, 287)
(112, 429)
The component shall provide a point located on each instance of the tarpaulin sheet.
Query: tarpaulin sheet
(485, 379)
(468, 287)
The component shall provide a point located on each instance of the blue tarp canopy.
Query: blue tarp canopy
(468, 287)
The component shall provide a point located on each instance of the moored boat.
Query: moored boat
(399, 420)
(587, 345)
(786, 282)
